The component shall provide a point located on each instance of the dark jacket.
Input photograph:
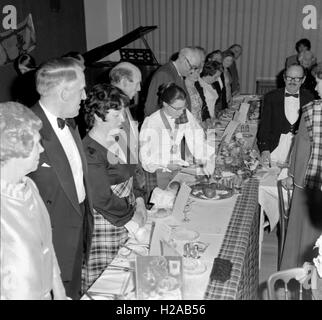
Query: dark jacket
(273, 120)
(102, 175)
(57, 188)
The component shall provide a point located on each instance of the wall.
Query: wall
(267, 30)
(56, 32)
(103, 19)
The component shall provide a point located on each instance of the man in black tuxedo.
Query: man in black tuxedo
(61, 176)
(282, 111)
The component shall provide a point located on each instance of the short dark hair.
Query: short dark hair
(209, 55)
(169, 93)
(210, 68)
(304, 42)
(25, 60)
(100, 99)
(297, 65)
(228, 53)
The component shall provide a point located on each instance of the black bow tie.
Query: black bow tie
(70, 122)
(295, 95)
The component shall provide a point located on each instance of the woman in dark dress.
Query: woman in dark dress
(116, 210)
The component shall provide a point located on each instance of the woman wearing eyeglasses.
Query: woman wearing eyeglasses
(305, 219)
(162, 133)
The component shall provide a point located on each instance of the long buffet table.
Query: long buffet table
(230, 227)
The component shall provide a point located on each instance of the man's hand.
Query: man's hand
(288, 183)
(140, 214)
(266, 157)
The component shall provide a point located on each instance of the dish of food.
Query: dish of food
(212, 191)
(159, 213)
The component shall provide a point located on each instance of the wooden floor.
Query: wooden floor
(268, 261)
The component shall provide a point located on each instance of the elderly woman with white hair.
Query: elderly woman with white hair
(28, 268)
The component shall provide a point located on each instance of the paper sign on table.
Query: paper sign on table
(230, 129)
(161, 232)
(181, 200)
(241, 115)
(159, 278)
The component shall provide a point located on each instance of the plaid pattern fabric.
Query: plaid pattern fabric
(106, 241)
(240, 246)
(125, 190)
(151, 183)
(183, 118)
(312, 114)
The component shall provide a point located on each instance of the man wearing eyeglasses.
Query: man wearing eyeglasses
(188, 61)
(281, 115)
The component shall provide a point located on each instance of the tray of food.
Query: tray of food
(211, 191)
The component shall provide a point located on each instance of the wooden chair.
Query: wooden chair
(283, 220)
(286, 276)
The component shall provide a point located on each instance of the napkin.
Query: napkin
(162, 199)
(221, 270)
(281, 152)
(112, 281)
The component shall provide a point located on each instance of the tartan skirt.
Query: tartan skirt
(106, 242)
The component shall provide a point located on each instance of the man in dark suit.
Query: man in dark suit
(189, 60)
(282, 111)
(61, 176)
(127, 77)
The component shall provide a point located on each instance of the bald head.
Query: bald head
(127, 77)
(189, 60)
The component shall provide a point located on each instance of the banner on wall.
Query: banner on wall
(15, 42)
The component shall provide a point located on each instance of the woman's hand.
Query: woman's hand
(288, 183)
(266, 157)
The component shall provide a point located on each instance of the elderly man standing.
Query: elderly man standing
(127, 77)
(235, 86)
(61, 176)
(280, 116)
(189, 60)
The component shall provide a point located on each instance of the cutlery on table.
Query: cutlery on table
(134, 251)
(116, 267)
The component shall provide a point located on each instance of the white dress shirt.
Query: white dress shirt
(69, 145)
(292, 108)
(156, 142)
(211, 96)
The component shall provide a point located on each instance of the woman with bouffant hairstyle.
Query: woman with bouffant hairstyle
(28, 268)
(117, 213)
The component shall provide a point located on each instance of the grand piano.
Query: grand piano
(144, 59)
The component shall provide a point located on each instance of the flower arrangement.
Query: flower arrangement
(237, 157)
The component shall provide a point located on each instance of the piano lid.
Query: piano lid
(104, 50)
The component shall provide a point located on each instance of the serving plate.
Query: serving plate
(222, 191)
